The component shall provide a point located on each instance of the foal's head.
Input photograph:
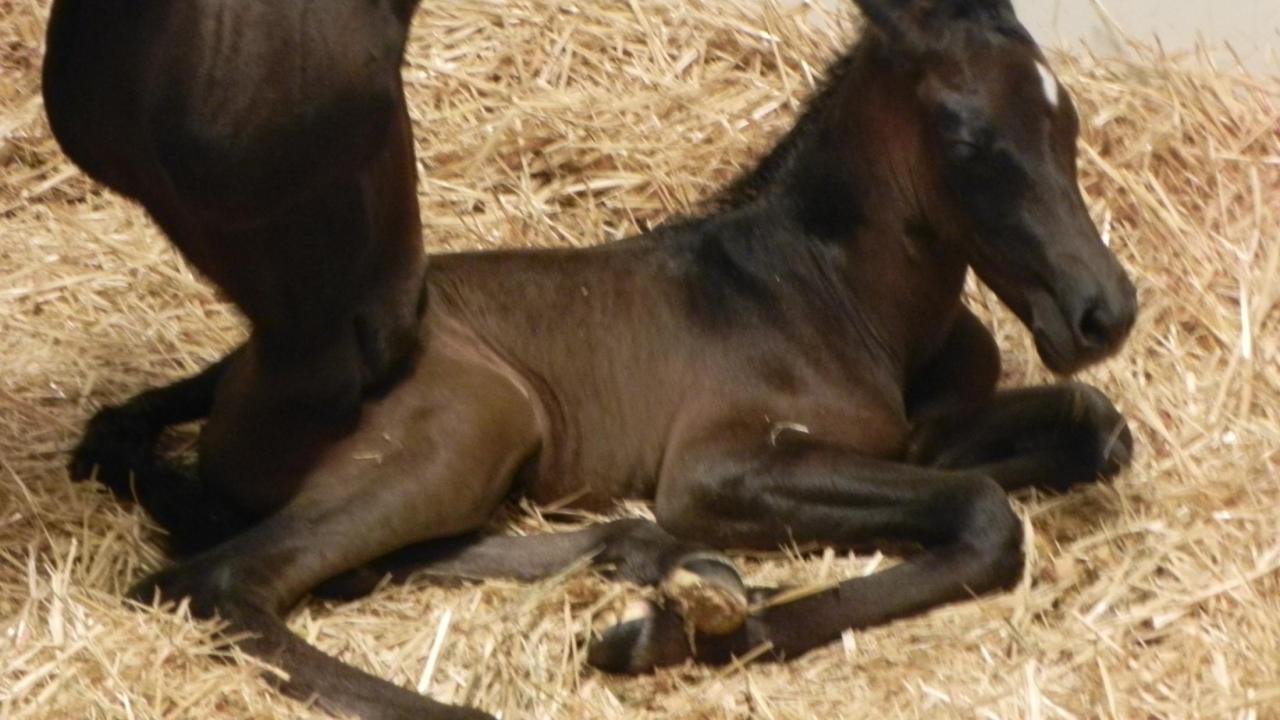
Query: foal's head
(998, 170)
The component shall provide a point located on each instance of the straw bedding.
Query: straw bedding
(543, 122)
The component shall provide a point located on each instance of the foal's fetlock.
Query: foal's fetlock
(706, 590)
(647, 637)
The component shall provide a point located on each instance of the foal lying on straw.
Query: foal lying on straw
(796, 367)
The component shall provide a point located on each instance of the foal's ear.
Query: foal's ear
(902, 21)
(915, 25)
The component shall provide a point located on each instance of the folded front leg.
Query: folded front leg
(1052, 437)
(813, 493)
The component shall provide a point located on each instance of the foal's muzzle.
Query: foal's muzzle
(1085, 319)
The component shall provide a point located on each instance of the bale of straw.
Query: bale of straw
(543, 122)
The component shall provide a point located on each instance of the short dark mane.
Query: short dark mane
(747, 186)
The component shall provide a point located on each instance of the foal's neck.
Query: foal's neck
(850, 174)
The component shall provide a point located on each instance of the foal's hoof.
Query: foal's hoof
(1114, 440)
(651, 637)
(706, 590)
(115, 446)
(648, 637)
(1117, 450)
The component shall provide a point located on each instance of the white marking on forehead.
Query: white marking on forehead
(1049, 83)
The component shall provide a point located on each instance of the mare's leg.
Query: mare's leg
(119, 450)
(1050, 437)
(728, 496)
(335, 290)
(440, 476)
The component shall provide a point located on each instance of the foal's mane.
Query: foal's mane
(750, 184)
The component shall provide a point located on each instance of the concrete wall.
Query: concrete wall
(1251, 27)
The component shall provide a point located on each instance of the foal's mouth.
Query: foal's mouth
(1062, 341)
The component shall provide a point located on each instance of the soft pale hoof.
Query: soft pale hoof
(709, 594)
(1117, 450)
(647, 638)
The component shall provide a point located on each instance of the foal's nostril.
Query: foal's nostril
(1093, 329)
(1102, 326)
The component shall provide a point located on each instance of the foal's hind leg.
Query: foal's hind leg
(1050, 437)
(768, 497)
(702, 584)
(432, 460)
(251, 580)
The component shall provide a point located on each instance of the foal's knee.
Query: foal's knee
(985, 528)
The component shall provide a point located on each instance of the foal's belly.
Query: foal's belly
(592, 461)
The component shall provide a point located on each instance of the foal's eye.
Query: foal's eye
(963, 150)
(965, 133)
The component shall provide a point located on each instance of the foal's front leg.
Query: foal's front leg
(1051, 437)
(816, 493)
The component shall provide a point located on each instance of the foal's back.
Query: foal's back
(629, 348)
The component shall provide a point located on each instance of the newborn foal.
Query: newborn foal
(796, 367)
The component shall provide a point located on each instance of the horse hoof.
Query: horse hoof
(1117, 450)
(648, 637)
(159, 588)
(1114, 446)
(707, 591)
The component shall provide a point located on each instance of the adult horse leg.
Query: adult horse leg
(767, 497)
(120, 439)
(335, 290)
(302, 211)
